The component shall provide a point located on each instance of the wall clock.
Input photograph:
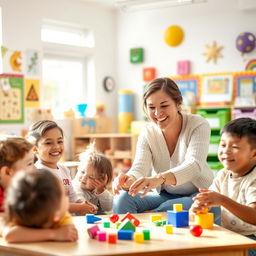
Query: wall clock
(108, 84)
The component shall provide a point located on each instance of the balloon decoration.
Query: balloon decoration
(245, 42)
(173, 35)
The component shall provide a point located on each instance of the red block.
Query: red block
(112, 238)
(114, 218)
(133, 219)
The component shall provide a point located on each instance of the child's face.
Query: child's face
(236, 154)
(50, 148)
(87, 176)
(25, 164)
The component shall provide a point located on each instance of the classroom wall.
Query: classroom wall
(22, 21)
(202, 23)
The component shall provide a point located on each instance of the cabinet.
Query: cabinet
(116, 146)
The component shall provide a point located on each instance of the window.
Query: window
(65, 66)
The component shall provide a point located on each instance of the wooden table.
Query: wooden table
(217, 241)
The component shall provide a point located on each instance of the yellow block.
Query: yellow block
(177, 208)
(156, 217)
(138, 237)
(169, 229)
(205, 220)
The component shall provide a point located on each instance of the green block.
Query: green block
(158, 223)
(126, 224)
(106, 224)
(146, 234)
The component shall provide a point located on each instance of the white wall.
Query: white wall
(202, 23)
(22, 21)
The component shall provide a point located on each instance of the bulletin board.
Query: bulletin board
(188, 86)
(245, 84)
(11, 98)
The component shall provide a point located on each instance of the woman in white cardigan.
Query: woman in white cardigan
(170, 155)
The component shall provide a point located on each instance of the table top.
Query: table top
(181, 241)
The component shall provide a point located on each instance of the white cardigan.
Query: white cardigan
(188, 161)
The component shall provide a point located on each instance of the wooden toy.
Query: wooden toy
(114, 218)
(92, 231)
(134, 220)
(106, 224)
(128, 225)
(177, 219)
(156, 217)
(205, 220)
(146, 234)
(177, 207)
(196, 230)
(91, 218)
(101, 236)
(138, 237)
(112, 238)
(158, 223)
(169, 229)
(125, 234)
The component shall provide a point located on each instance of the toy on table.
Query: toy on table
(196, 230)
(92, 231)
(91, 218)
(133, 219)
(177, 217)
(204, 219)
(114, 218)
(127, 225)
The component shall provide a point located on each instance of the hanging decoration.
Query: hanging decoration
(173, 35)
(212, 52)
(245, 42)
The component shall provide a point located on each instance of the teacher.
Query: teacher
(170, 155)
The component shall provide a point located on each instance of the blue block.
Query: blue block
(125, 234)
(177, 219)
(91, 218)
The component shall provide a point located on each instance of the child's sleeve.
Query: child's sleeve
(105, 200)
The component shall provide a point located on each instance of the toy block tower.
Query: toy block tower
(127, 225)
(177, 218)
(204, 219)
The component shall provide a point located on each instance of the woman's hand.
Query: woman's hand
(122, 181)
(145, 183)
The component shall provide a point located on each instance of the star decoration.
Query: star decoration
(213, 52)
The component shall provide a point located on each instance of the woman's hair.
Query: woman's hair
(242, 127)
(13, 149)
(99, 162)
(167, 85)
(38, 129)
(33, 198)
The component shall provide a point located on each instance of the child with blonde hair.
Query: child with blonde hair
(36, 209)
(94, 175)
(48, 139)
(15, 154)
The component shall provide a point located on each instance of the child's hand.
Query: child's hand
(87, 207)
(66, 233)
(100, 185)
(207, 198)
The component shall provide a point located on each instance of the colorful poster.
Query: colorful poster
(11, 98)
(32, 93)
(32, 62)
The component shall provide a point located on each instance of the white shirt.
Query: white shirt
(188, 161)
(241, 190)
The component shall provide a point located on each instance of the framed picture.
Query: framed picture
(216, 89)
(188, 86)
(245, 84)
(11, 98)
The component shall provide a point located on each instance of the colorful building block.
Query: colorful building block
(91, 218)
(158, 223)
(126, 224)
(106, 224)
(156, 217)
(205, 220)
(133, 219)
(146, 234)
(177, 207)
(177, 219)
(92, 231)
(138, 237)
(112, 238)
(114, 218)
(125, 234)
(169, 229)
(118, 224)
(101, 236)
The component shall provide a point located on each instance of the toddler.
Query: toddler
(48, 141)
(234, 188)
(36, 209)
(15, 154)
(93, 176)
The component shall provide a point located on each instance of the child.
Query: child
(15, 154)
(48, 139)
(94, 174)
(234, 188)
(36, 209)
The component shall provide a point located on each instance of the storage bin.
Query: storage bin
(244, 112)
(214, 145)
(217, 117)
